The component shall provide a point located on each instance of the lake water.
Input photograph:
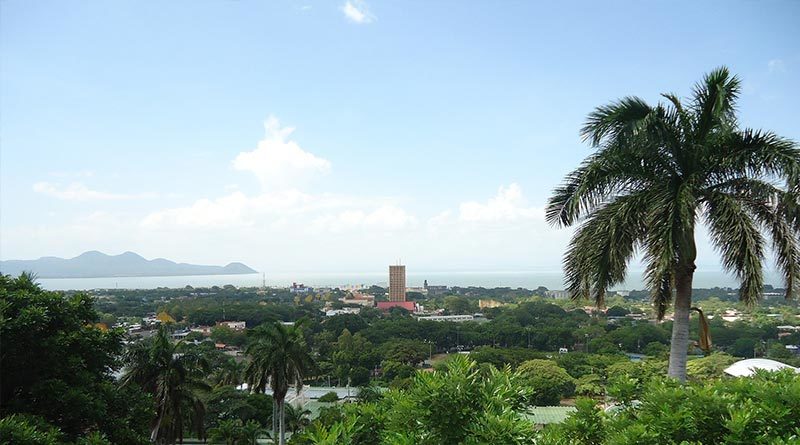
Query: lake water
(514, 279)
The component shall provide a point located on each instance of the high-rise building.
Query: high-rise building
(397, 283)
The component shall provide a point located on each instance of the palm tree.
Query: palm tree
(660, 170)
(297, 418)
(175, 380)
(229, 373)
(279, 358)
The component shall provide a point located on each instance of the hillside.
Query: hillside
(96, 264)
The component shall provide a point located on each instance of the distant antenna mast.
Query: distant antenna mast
(263, 280)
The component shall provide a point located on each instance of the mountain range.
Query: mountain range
(96, 264)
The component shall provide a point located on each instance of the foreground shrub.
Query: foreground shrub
(759, 410)
(462, 405)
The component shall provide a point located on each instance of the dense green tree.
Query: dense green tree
(659, 171)
(329, 397)
(548, 382)
(352, 352)
(280, 359)
(55, 363)
(460, 305)
(617, 311)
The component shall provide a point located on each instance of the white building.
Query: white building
(235, 325)
(453, 318)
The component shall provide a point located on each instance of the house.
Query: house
(234, 325)
(205, 330)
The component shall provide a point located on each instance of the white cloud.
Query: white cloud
(776, 66)
(357, 12)
(508, 205)
(77, 191)
(278, 162)
(384, 218)
(283, 209)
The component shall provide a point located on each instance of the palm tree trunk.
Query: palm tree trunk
(283, 422)
(274, 418)
(679, 346)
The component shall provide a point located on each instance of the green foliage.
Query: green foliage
(709, 367)
(656, 349)
(56, 364)
(27, 430)
(329, 397)
(579, 364)
(227, 403)
(352, 355)
(500, 357)
(617, 311)
(758, 410)
(235, 432)
(589, 385)
(297, 418)
(586, 426)
(175, 379)
(549, 383)
(226, 335)
(460, 305)
(461, 405)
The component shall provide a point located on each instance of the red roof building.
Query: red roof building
(386, 305)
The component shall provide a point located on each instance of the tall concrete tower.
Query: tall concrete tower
(397, 283)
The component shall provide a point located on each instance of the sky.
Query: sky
(342, 136)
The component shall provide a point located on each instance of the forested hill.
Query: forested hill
(97, 265)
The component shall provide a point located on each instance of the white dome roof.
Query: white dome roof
(746, 368)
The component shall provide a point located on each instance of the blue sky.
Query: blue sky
(428, 131)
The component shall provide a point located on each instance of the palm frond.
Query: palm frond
(621, 117)
(753, 154)
(599, 252)
(616, 169)
(736, 236)
(771, 213)
(714, 102)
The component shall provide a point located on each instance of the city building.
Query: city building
(407, 305)
(342, 311)
(489, 304)
(397, 283)
(300, 288)
(205, 330)
(453, 318)
(558, 294)
(359, 299)
(235, 325)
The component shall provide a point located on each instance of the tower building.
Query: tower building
(397, 283)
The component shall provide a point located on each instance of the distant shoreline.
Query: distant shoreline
(526, 280)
